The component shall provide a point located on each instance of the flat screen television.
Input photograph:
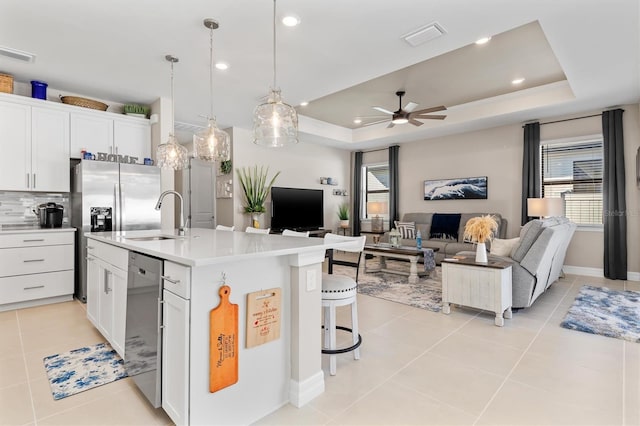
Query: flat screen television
(297, 209)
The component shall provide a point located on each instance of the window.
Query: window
(376, 185)
(573, 170)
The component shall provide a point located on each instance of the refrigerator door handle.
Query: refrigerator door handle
(122, 210)
(116, 208)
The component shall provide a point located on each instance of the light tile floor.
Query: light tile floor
(416, 367)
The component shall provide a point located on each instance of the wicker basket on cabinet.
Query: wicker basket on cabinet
(6, 83)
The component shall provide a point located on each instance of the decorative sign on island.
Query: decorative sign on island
(263, 317)
(223, 343)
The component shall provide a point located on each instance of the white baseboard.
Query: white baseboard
(595, 272)
(301, 393)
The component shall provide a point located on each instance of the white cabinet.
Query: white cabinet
(175, 358)
(107, 291)
(36, 268)
(111, 135)
(35, 147)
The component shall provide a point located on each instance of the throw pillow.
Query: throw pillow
(503, 247)
(445, 226)
(406, 229)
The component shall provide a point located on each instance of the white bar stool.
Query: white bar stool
(340, 290)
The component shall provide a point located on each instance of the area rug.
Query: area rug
(82, 369)
(425, 294)
(611, 313)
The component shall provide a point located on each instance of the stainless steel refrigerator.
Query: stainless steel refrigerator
(110, 197)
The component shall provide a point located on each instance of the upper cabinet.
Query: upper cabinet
(35, 146)
(121, 136)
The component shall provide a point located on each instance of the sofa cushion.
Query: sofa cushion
(500, 247)
(528, 235)
(406, 229)
(453, 248)
(445, 226)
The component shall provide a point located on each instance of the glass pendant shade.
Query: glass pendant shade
(212, 144)
(275, 123)
(172, 155)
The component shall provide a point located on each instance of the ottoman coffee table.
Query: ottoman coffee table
(384, 251)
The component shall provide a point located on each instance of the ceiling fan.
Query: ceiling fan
(408, 115)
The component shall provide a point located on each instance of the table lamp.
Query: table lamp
(545, 207)
(376, 208)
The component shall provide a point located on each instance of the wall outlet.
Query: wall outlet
(312, 281)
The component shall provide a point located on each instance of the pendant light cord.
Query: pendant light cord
(173, 111)
(274, 44)
(211, 73)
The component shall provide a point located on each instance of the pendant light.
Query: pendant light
(212, 144)
(275, 123)
(172, 155)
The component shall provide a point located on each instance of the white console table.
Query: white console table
(478, 285)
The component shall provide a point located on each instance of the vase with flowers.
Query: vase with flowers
(480, 230)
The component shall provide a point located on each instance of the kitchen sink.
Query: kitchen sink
(152, 238)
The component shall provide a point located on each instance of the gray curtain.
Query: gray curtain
(357, 192)
(614, 202)
(394, 188)
(530, 167)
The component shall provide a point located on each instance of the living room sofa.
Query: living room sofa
(447, 246)
(537, 258)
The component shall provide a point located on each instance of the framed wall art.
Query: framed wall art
(467, 188)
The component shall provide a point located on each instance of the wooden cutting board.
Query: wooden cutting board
(263, 317)
(223, 343)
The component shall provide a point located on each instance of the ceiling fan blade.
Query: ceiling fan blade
(415, 122)
(374, 122)
(386, 111)
(392, 124)
(430, 117)
(410, 107)
(428, 110)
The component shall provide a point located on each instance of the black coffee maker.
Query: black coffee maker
(50, 215)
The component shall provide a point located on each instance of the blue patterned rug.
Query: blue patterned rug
(425, 294)
(83, 369)
(611, 313)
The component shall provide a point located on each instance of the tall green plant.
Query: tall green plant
(255, 187)
(343, 211)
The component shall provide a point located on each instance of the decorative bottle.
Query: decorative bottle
(418, 240)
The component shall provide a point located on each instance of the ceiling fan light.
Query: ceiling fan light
(275, 124)
(399, 120)
(212, 144)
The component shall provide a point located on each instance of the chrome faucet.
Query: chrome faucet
(177, 194)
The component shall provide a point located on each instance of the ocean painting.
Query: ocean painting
(469, 188)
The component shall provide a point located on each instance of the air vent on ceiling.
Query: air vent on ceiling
(17, 54)
(187, 127)
(424, 34)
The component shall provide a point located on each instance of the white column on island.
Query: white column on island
(307, 378)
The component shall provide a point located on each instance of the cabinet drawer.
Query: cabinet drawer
(116, 256)
(36, 239)
(37, 286)
(177, 279)
(35, 260)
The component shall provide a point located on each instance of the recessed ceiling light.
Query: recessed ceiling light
(357, 121)
(291, 20)
(222, 66)
(483, 40)
(305, 103)
(517, 81)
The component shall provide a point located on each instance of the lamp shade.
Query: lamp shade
(275, 124)
(377, 207)
(212, 144)
(545, 207)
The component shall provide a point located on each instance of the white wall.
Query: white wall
(497, 154)
(301, 166)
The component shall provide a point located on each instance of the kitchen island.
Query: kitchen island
(284, 370)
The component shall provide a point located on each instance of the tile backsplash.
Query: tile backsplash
(16, 208)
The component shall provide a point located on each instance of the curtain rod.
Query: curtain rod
(379, 149)
(570, 119)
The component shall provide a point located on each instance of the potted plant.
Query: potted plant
(255, 188)
(343, 215)
(480, 230)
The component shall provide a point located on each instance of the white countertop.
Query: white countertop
(30, 229)
(209, 246)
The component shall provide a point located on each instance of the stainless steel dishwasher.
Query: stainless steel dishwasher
(143, 335)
